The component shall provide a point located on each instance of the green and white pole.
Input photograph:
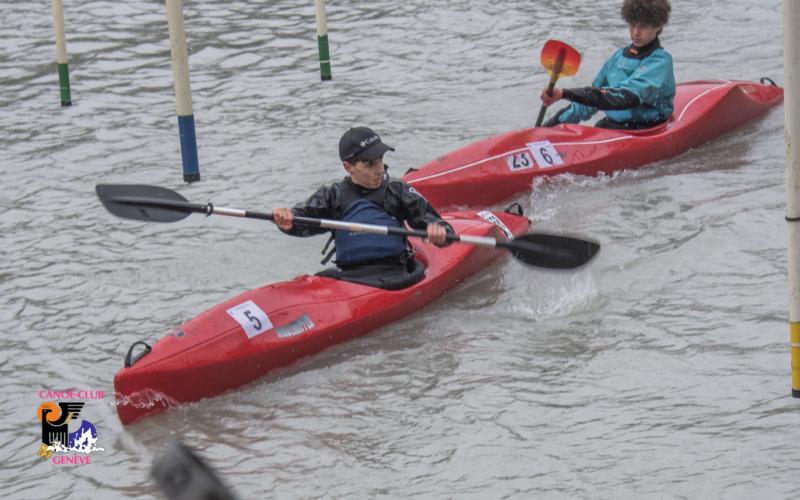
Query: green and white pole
(183, 90)
(791, 65)
(322, 41)
(61, 53)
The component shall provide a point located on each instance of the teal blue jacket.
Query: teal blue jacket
(649, 76)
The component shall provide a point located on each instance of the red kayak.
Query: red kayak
(240, 340)
(492, 170)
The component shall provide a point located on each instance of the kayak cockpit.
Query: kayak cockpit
(387, 277)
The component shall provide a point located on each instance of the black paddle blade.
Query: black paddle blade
(145, 203)
(553, 250)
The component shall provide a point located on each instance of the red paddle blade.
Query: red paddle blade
(554, 50)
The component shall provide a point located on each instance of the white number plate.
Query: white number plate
(251, 317)
(545, 154)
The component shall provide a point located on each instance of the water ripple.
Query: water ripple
(659, 370)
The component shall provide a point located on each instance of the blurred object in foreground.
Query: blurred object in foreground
(182, 475)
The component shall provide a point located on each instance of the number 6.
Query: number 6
(545, 156)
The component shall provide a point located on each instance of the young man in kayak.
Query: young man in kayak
(368, 195)
(636, 86)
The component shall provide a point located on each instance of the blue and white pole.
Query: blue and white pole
(322, 40)
(61, 53)
(183, 90)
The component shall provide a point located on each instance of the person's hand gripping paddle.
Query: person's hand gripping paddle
(558, 59)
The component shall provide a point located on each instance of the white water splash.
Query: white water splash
(553, 294)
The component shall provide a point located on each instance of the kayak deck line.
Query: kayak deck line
(601, 141)
(669, 125)
(464, 167)
(695, 98)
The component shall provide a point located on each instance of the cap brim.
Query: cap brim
(375, 151)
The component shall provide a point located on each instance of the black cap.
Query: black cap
(361, 142)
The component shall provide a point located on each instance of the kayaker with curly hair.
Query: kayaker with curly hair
(369, 196)
(636, 86)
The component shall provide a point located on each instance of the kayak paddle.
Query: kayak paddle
(158, 204)
(558, 59)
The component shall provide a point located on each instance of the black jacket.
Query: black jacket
(399, 199)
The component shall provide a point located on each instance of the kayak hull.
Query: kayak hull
(242, 339)
(492, 170)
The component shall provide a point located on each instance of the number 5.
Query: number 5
(256, 321)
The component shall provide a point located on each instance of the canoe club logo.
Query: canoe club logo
(59, 444)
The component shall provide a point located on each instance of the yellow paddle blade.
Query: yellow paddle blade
(570, 59)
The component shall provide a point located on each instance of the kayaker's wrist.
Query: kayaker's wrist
(568, 94)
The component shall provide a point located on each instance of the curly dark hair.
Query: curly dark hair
(652, 12)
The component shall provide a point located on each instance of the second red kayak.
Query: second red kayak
(487, 172)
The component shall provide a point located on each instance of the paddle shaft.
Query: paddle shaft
(562, 54)
(210, 209)
(157, 204)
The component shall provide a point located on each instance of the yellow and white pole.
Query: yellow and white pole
(61, 53)
(791, 65)
(322, 40)
(183, 90)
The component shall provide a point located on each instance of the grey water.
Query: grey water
(661, 370)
